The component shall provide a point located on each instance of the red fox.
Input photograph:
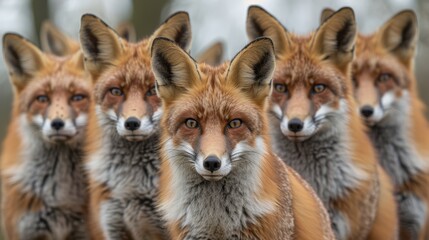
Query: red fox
(55, 42)
(219, 178)
(122, 156)
(44, 190)
(316, 129)
(386, 92)
(212, 55)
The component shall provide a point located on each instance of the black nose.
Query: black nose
(132, 124)
(57, 124)
(212, 163)
(367, 111)
(295, 125)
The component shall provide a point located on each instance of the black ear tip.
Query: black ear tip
(87, 17)
(11, 37)
(183, 14)
(347, 11)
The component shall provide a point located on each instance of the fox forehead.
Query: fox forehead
(373, 59)
(213, 99)
(303, 69)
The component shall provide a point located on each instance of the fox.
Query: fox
(385, 89)
(212, 55)
(54, 41)
(316, 130)
(43, 179)
(122, 155)
(219, 178)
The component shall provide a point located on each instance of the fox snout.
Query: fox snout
(212, 163)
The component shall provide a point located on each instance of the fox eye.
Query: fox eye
(318, 88)
(42, 98)
(191, 123)
(383, 77)
(281, 88)
(116, 92)
(235, 123)
(77, 97)
(151, 92)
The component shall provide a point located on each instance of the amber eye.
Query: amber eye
(191, 123)
(42, 98)
(78, 97)
(235, 123)
(384, 77)
(116, 92)
(151, 92)
(281, 88)
(318, 88)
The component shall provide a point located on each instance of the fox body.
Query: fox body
(219, 177)
(385, 89)
(316, 130)
(123, 160)
(44, 191)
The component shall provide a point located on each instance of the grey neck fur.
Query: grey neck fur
(53, 173)
(130, 171)
(391, 138)
(215, 210)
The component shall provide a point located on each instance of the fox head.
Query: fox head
(382, 71)
(55, 42)
(311, 81)
(124, 90)
(213, 121)
(52, 94)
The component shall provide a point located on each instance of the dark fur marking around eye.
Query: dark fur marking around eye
(406, 35)
(261, 68)
(91, 43)
(344, 36)
(15, 60)
(164, 68)
(182, 36)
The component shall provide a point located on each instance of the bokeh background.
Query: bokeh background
(212, 20)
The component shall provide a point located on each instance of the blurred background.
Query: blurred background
(212, 20)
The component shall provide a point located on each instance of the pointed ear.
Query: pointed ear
(335, 39)
(326, 13)
(252, 69)
(23, 59)
(175, 71)
(55, 42)
(177, 28)
(260, 23)
(100, 44)
(399, 35)
(212, 55)
(127, 31)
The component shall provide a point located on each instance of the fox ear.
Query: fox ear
(175, 71)
(127, 31)
(335, 39)
(326, 13)
(55, 42)
(100, 44)
(399, 35)
(23, 59)
(260, 23)
(252, 69)
(177, 28)
(212, 55)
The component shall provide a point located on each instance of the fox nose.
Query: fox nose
(295, 125)
(57, 124)
(132, 123)
(212, 163)
(367, 111)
